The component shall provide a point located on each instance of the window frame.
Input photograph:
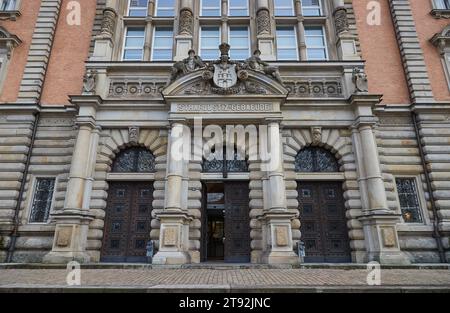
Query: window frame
(249, 41)
(324, 36)
(152, 59)
(297, 58)
(125, 41)
(210, 16)
(13, 5)
(32, 197)
(277, 15)
(200, 41)
(446, 4)
(247, 8)
(129, 8)
(420, 198)
(155, 13)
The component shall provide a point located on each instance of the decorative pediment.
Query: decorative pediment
(8, 41)
(442, 40)
(224, 77)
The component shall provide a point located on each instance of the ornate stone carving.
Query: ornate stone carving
(135, 88)
(263, 22)
(314, 89)
(444, 14)
(64, 237)
(192, 63)
(388, 235)
(170, 236)
(281, 235)
(89, 81)
(8, 41)
(341, 20)
(133, 135)
(255, 63)
(316, 133)
(108, 25)
(442, 40)
(186, 26)
(360, 80)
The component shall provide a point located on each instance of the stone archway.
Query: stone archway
(111, 142)
(339, 142)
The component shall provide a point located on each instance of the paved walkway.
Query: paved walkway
(224, 280)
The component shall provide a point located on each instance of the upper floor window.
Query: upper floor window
(138, 8)
(210, 8)
(134, 160)
(316, 159)
(409, 200)
(284, 7)
(239, 42)
(316, 48)
(238, 8)
(162, 44)
(7, 5)
(442, 4)
(311, 8)
(134, 44)
(209, 41)
(287, 43)
(165, 8)
(42, 200)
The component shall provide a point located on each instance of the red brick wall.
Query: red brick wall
(70, 51)
(427, 26)
(23, 27)
(380, 50)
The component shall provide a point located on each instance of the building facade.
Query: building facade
(265, 131)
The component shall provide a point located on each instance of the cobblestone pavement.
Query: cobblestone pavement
(205, 278)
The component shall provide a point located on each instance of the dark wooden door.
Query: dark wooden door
(237, 222)
(127, 222)
(322, 216)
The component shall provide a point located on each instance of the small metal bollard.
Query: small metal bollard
(150, 249)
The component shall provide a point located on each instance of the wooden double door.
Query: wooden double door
(127, 222)
(226, 222)
(323, 222)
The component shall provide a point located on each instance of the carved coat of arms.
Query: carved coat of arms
(225, 75)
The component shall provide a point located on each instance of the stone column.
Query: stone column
(264, 31)
(224, 29)
(379, 222)
(301, 30)
(104, 42)
(184, 38)
(72, 223)
(345, 41)
(174, 234)
(276, 220)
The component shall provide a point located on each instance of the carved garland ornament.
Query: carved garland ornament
(108, 23)
(186, 26)
(263, 22)
(341, 20)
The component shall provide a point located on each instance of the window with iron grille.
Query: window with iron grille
(409, 200)
(42, 200)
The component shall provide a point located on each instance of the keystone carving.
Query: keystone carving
(89, 81)
(360, 80)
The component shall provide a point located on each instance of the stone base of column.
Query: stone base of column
(277, 238)
(174, 238)
(381, 238)
(69, 243)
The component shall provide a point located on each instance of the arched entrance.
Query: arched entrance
(225, 214)
(321, 205)
(129, 206)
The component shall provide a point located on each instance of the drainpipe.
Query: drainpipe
(436, 233)
(16, 221)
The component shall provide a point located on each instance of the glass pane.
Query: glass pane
(135, 32)
(138, 8)
(316, 54)
(162, 55)
(284, 7)
(210, 40)
(409, 200)
(134, 42)
(313, 31)
(42, 201)
(133, 54)
(239, 41)
(238, 7)
(311, 12)
(162, 44)
(211, 8)
(311, 7)
(315, 41)
(287, 54)
(165, 8)
(286, 43)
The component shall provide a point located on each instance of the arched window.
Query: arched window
(236, 165)
(134, 160)
(315, 159)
